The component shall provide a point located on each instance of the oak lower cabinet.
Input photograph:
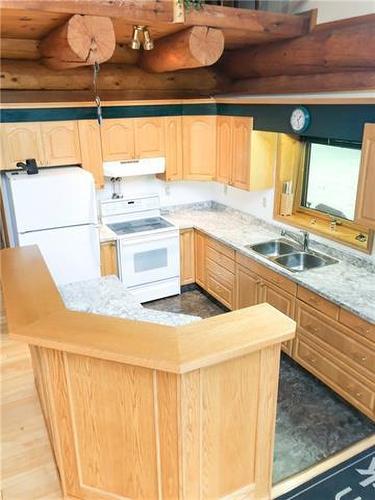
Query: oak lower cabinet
(21, 141)
(200, 259)
(330, 345)
(257, 284)
(365, 203)
(108, 258)
(199, 147)
(245, 157)
(281, 300)
(187, 256)
(248, 289)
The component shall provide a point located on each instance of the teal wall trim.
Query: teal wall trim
(341, 122)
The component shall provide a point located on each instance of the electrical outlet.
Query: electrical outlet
(167, 189)
(264, 202)
(225, 189)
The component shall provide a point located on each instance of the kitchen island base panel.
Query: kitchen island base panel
(202, 434)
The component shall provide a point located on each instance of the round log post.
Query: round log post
(82, 41)
(194, 47)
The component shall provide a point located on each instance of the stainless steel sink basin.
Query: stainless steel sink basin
(303, 261)
(290, 256)
(273, 248)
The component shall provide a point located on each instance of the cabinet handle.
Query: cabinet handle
(359, 357)
(365, 330)
(312, 328)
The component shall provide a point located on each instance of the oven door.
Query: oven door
(149, 258)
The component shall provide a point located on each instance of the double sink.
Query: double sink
(288, 255)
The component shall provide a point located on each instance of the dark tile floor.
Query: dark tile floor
(312, 421)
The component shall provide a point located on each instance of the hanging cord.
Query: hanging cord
(96, 96)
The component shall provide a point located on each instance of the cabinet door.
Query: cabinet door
(247, 288)
(61, 143)
(118, 139)
(224, 149)
(108, 258)
(365, 206)
(91, 149)
(263, 159)
(241, 131)
(21, 141)
(173, 149)
(149, 137)
(282, 301)
(200, 259)
(199, 147)
(187, 261)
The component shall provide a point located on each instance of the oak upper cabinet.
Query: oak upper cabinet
(245, 157)
(224, 148)
(21, 141)
(240, 154)
(118, 140)
(91, 149)
(199, 147)
(108, 258)
(61, 143)
(187, 256)
(365, 205)
(149, 137)
(173, 149)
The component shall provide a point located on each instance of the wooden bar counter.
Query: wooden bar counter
(140, 410)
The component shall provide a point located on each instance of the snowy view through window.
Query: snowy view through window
(332, 180)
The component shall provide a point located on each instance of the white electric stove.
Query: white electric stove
(148, 248)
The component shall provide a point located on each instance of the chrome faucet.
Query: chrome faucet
(304, 241)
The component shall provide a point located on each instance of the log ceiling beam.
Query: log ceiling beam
(82, 41)
(33, 75)
(194, 47)
(134, 11)
(337, 47)
(322, 82)
(256, 21)
(28, 50)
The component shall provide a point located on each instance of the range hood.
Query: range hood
(129, 168)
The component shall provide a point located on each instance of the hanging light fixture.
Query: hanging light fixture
(141, 33)
(135, 42)
(148, 43)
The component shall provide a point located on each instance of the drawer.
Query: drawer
(357, 355)
(340, 381)
(221, 284)
(314, 300)
(358, 324)
(263, 272)
(220, 247)
(220, 259)
(220, 273)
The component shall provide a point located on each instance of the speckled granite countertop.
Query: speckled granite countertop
(109, 297)
(349, 283)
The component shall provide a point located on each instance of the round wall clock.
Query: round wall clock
(300, 119)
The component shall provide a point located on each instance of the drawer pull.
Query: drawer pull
(312, 328)
(360, 358)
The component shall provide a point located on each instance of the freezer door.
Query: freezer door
(72, 254)
(57, 197)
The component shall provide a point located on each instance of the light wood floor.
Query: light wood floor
(28, 470)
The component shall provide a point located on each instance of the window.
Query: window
(331, 177)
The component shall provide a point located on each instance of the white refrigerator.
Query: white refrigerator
(56, 210)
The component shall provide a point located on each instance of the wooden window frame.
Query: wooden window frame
(318, 222)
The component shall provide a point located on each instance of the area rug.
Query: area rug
(353, 479)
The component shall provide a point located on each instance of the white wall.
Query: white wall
(328, 10)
